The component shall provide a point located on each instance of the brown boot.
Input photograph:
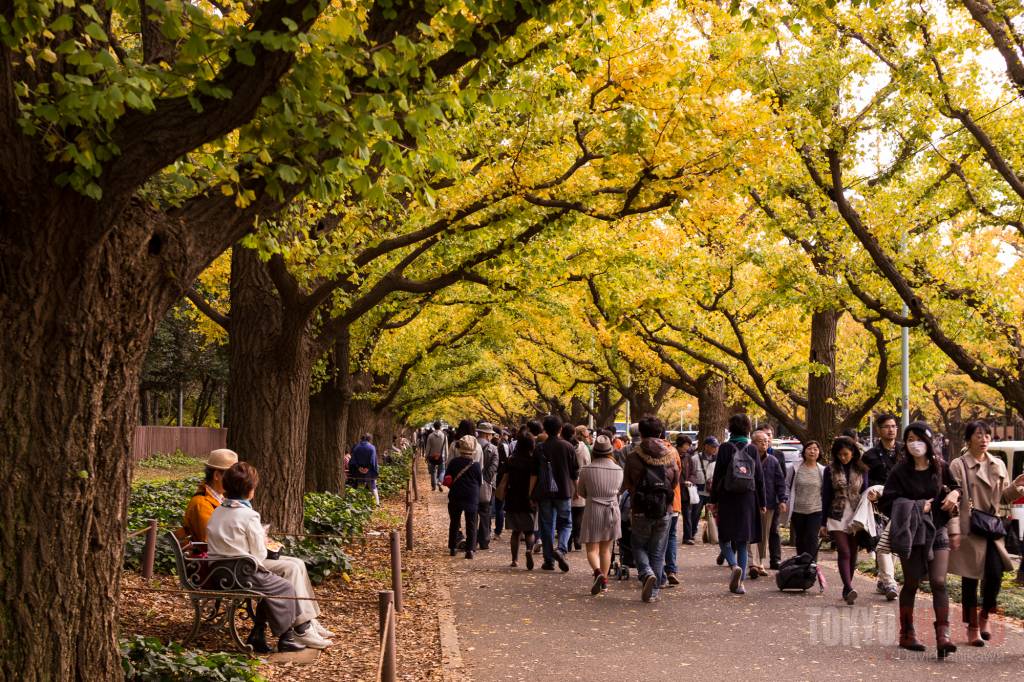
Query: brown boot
(907, 638)
(943, 644)
(973, 631)
(983, 625)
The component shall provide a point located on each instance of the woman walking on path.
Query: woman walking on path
(984, 484)
(805, 481)
(579, 437)
(737, 498)
(920, 489)
(599, 485)
(520, 510)
(462, 478)
(845, 481)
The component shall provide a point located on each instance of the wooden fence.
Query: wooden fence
(197, 441)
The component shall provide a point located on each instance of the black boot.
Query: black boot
(287, 642)
(257, 639)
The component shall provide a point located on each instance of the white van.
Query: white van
(1012, 454)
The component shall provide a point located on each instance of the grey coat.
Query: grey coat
(910, 527)
(488, 468)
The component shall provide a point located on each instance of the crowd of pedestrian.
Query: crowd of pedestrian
(633, 501)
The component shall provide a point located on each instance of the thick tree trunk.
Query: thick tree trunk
(76, 317)
(822, 404)
(325, 449)
(712, 415)
(328, 425)
(270, 357)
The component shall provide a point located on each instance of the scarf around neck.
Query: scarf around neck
(232, 502)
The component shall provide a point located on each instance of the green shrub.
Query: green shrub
(169, 461)
(164, 501)
(146, 659)
(324, 557)
(330, 514)
(395, 476)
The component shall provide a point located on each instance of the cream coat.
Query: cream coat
(989, 485)
(235, 530)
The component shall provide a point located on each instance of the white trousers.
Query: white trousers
(294, 571)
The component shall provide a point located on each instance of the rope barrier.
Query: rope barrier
(224, 594)
(384, 640)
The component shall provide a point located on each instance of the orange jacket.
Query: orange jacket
(197, 514)
(677, 501)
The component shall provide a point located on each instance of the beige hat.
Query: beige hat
(222, 459)
(466, 445)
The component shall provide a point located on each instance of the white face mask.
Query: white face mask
(917, 448)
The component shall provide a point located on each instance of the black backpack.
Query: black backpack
(654, 495)
(740, 476)
(797, 573)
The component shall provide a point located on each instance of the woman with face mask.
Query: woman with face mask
(919, 496)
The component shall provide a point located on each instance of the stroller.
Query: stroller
(622, 560)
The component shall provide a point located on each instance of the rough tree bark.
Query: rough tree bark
(271, 356)
(75, 321)
(328, 425)
(712, 416)
(822, 397)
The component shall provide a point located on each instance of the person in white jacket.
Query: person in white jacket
(235, 530)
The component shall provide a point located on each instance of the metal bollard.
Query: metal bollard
(149, 552)
(388, 668)
(396, 570)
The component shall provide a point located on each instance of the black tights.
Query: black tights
(514, 543)
(846, 549)
(991, 581)
(916, 567)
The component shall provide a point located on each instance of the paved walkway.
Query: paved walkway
(519, 625)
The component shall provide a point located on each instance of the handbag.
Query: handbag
(982, 524)
(694, 495)
(546, 484)
(499, 492)
(710, 535)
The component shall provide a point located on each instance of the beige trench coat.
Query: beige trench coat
(989, 485)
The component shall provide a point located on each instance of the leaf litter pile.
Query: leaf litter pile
(353, 617)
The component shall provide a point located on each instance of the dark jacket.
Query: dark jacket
(905, 482)
(518, 469)
(364, 455)
(466, 490)
(651, 452)
(775, 489)
(880, 462)
(561, 456)
(739, 514)
(910, 527)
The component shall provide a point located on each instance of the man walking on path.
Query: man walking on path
(880, 460)
(553, 486)
(435, 449)
(488, 480)
(702, 460)
(776, 496)
(650, 478)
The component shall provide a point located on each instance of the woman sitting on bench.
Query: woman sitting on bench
(235, 530)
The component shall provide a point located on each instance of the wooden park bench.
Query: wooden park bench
(220, 591)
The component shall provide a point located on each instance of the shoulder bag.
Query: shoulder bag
(982, 524)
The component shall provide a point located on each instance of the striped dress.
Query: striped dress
(599, 483)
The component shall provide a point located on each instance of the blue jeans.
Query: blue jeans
(555, 515)
(649, 538)
(735, 554)
(672, 546)
(436, 470)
